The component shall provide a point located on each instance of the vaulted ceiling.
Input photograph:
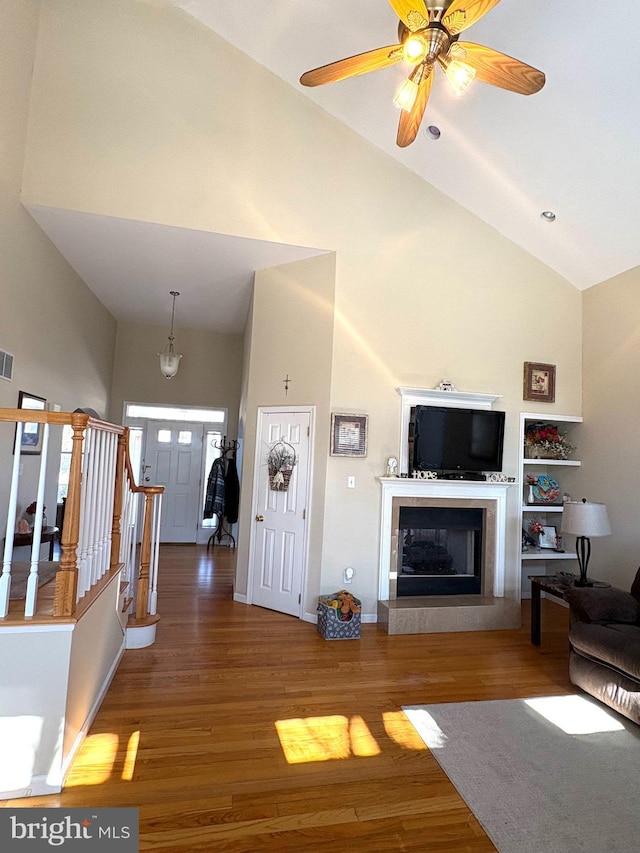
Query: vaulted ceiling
(572, 148)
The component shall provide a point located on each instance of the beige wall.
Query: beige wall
(609, 442)
(291, 334)
(134, 115)
(209, 374)
(62, 338)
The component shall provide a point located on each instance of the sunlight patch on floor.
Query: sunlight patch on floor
(575, 715)
(398, 727)
(325, 739)
(94, 763)
(130, 757)
(430, 731)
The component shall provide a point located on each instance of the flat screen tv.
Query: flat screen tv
(448, 439)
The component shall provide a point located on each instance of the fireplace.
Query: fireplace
(440, 550)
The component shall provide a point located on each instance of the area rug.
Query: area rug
(20, 573)
(557, 774)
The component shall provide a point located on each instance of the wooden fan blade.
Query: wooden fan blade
(462, 13)
(498, 69)
(413, 13)
(410, 122)
(372, 60)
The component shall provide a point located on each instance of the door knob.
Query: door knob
(259, 517)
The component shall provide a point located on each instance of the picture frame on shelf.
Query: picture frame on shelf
(539, 382)
(348, 434)
(31, 439)
(548, 538)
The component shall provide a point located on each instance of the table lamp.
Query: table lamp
(584, 520)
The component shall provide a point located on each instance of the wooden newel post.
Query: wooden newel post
(116, 527)
(64, 601)
(142, 593)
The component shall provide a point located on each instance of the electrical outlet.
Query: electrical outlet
(351, 482)
(348, 574)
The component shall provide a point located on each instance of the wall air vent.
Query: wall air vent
(6, 365)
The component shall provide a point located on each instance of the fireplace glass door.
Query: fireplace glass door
(440, 551)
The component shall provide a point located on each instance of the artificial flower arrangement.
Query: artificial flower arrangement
(547, 441)
(30, 513)
(535, 526)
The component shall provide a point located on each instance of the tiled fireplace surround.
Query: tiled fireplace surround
(427, 614)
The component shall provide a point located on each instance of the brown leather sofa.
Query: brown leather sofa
(604, 636)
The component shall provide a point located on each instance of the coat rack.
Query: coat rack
(227, 450)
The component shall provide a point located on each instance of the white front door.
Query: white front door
(278, 560)
(173, 459)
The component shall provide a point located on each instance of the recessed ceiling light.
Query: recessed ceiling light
(548, 216)
(432, 131)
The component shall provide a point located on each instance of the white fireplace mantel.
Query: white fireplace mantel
(402, 487)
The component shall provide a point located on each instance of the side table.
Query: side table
(48, 535)
(552, 586)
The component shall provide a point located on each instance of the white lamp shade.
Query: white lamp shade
(169, 364)
(581, 518)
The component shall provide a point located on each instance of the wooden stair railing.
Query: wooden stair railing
(100, 529)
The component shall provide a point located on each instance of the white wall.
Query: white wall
(293, 338)
(209, 375)
(134, 115)
(33, 689)
(62, 338)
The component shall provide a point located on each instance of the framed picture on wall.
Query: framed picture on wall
(31, 441)
(348, 435)
(539, 382)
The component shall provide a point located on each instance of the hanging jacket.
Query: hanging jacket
(231, 491)
(214, 500)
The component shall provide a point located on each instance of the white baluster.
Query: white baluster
(32, 583)
(83, 555)
(5, 577)
(155, 555)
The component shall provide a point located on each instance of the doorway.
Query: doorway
(176, 445)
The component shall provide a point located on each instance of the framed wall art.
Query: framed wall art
(539, 382)
(548, 538)
(31, 443)
(348, 435)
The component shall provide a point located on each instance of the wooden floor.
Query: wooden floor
(242, 729)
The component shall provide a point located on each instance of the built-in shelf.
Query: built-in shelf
(551, 462)
(549, 555)
(548, 513)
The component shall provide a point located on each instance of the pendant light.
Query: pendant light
(169, 359)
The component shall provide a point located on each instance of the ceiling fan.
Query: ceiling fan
(428, 33)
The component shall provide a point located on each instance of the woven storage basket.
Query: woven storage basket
(280, 482)
(331, 627)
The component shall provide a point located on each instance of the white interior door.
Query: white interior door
(278, 559)
(173, 459)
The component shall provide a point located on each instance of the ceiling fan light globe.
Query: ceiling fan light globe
(406, 95)
(460, 75)
(414, 49)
